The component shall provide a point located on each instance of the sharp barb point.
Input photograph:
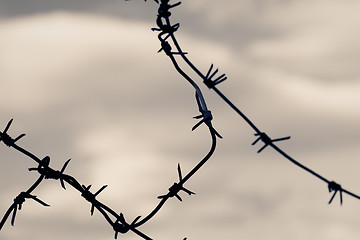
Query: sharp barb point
(13, 215)
(8, 125)
(220, 77)
(215, 72)
(100, 190)
(208, 73)
(179, 172)
(65, 165)
(256, 141)
(19, 137)
(62, 183)
(178, 197)
(260, 150)
(92, 209)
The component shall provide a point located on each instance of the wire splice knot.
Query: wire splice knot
(121, 226)
(50, 173)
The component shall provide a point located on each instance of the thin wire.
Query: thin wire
(212, 85)
(120, 225)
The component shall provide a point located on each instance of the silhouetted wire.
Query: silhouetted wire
(46, 172)
(20, 199)
(176, 187)
(167, 28)
(119, 224)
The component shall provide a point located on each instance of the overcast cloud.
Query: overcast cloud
(83, 80)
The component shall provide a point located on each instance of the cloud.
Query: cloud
(315, 39)
(92, 87)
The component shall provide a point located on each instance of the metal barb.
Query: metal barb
(208, 78)
(50, 173)
(62, 172)
(90, 197)
(205, 113)
(164, 14)
(176, 188)
(266, 140)
(206, 118)
(17, 205)
(333, 186)
(166, 30)
(5, 137)
(121, 226)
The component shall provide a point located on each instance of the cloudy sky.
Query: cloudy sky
(83, 80)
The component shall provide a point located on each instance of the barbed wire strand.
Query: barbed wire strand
(164, 14)
(119, 224)
(20, 199)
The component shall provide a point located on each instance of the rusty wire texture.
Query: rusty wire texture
(117, 220)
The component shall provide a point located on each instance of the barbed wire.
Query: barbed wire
(115, 220)
(168, 29)
(119, 225)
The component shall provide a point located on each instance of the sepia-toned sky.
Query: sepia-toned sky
(83, 80)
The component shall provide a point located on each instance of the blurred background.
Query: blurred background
(83, 80)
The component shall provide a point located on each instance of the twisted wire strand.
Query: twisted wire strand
(211, 84)
(46, 172)
(119, 224)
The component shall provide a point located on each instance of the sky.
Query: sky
(83, 80)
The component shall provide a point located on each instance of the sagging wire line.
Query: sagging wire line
(20, 199)
(46, 172)
(168, 29)
(120, 225)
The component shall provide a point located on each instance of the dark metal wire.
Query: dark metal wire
(20, 199)
(120, 225)
(117, 221)
(46, 172)
(211, 84)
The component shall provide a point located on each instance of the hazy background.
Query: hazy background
(83, 80)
